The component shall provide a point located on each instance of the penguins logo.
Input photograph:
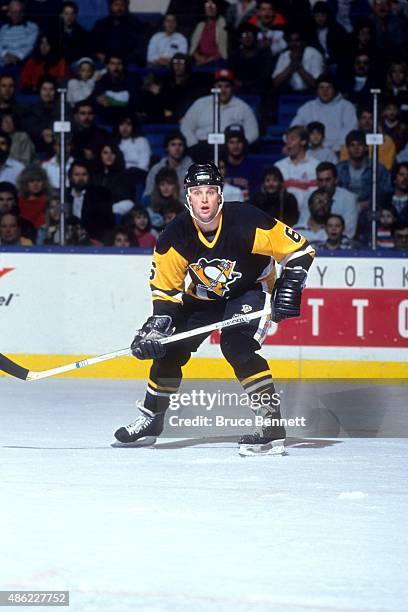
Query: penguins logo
(215, 275)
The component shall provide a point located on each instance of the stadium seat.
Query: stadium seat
(288, 106)
(254, 102)
(152, 19)
(26, 99)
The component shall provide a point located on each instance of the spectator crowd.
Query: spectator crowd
(295, 80)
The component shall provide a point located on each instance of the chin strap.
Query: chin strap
(190, 208)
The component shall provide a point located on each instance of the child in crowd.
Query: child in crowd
(388, 217)
(139, 222)
(81, 87)
(316, 147)
(336, 240)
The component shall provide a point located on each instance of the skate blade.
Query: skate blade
(147, 441)
(276, 447)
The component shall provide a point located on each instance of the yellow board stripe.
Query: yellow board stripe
(245, 381)
(215, 368)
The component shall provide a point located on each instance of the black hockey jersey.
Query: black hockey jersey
(240, 255)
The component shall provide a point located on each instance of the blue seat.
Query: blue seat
(160, 128)
(288, 106)
(254, 102)
(154, 138)
(271, 148)
(26, 99)
(149, 18)
(262, 161)
(141, 72)
(274, 132)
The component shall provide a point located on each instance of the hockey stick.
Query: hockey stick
(236, 320)
(12, 368)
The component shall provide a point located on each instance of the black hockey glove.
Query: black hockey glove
(287, 294)
(146, 344)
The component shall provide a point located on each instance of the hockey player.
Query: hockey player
(230, 253)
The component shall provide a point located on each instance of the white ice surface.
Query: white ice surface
(193, 527)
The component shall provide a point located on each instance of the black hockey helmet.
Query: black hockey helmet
(203, 174)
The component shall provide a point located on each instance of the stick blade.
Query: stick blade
(12, 368)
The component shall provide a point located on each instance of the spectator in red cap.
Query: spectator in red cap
(209, 41)
(197, 123)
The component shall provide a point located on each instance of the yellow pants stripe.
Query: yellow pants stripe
(245, 381)
(160, 388)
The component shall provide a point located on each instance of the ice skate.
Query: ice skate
(266, 439)
(143, 431)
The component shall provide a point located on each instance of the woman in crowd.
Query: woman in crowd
(44, 61)
(22, 147)
(166, 189)
(110, 172)
(209, 41)
(275, 200)
(34, 194)
(135, 147)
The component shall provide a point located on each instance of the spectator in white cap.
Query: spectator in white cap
(197, 123)
(81, 87)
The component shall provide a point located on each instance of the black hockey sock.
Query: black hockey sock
(157, 398)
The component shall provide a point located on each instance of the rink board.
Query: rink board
(61, 307)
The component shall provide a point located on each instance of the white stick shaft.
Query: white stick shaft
(78, 364)
(237, 320)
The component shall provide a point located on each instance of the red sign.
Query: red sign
(345, 317)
